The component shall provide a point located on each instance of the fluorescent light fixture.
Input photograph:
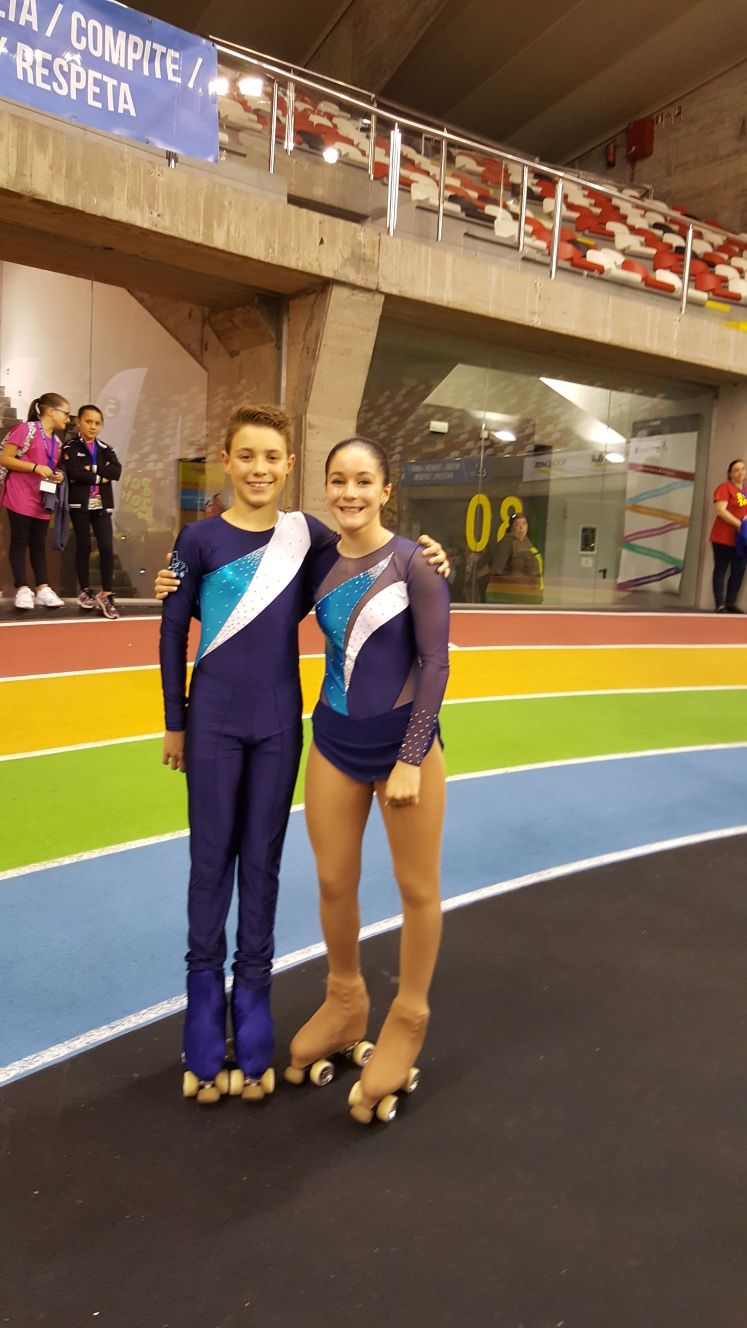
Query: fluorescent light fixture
(251, 86)
(505, 436)
(219, 86)
(331, 155)
(617, 457)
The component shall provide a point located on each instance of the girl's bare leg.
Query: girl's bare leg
(414, 835)
(337, 809)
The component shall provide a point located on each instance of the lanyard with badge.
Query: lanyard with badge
(93, 452)
(49, 486)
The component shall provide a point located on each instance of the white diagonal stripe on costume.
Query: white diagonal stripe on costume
(380, 609)
(284, 555)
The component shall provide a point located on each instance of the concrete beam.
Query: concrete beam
(63, 184)
(366, 43)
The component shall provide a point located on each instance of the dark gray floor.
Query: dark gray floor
(574, 1157)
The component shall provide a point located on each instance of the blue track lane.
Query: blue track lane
(86, 944)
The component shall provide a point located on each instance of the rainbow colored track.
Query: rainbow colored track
(81, 709)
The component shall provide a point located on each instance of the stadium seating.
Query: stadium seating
(630, 239)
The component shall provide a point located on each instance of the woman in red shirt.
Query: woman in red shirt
(730, 503)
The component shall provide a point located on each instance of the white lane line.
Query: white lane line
(89, 854)
(83, 622)
(464, 700)
(463, 650)
(130, 1023)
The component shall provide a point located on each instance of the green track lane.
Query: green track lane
(127, 794)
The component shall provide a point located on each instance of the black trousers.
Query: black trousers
(726, 561)
(100, 522)
(27, 534)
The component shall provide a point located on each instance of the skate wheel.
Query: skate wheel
(268, 1080)
(208, 1093)
(386, 1109)
(190, 1084)
(362, 1052)
(253, 1091)
(222, 1082)
(293, 1075)
(412, 1080)
(321, 1073)
(235, 1083)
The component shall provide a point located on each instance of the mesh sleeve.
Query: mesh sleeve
(429, 607)
(178, 609)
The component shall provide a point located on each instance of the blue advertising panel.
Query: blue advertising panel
(105, 66)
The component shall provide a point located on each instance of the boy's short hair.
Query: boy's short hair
(266, 417)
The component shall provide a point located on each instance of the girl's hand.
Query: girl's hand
(436, 555)
(166, 582)
(58, 477)
(46, 473)
(403, 786)
(173, 750)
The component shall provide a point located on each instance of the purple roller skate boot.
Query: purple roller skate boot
(205, 1038)
(253, 1041)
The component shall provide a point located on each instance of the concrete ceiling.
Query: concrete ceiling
(550, 77)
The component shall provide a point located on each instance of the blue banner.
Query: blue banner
(105, 66)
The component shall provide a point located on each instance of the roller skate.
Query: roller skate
(391, 1069)
(253, 1077)
(205, 1038)
(338, 1025)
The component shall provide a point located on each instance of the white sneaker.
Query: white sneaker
(24, 598)
(48, 600)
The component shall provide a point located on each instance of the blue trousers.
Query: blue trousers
(242, 752)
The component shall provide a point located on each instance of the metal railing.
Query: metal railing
(398, 118)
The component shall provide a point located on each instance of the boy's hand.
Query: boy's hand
(173, 750)
(166, 582)
(436, 555)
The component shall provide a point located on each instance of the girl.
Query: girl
(31, 455)
(730, 505)
(91, 467)
(386, 619)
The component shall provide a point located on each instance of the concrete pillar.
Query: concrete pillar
(728, 443)
(331, 337)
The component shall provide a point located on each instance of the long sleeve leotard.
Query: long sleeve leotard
(249, 590)
(386, 620)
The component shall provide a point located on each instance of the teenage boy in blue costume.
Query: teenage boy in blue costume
(247, 575)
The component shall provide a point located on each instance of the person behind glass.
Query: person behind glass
(386, 620)
(730, 505)
(31, 455)
(512, 571)
(92, 467)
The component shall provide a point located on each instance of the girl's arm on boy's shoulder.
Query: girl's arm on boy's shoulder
(321, 556)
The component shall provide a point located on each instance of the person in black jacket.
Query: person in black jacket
(92, 467)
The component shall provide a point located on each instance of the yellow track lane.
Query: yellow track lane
(58, 712)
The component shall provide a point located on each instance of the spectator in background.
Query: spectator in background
(513, 571)
(730, 503)
(92, 466)
(31, 456)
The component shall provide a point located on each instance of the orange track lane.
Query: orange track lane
(47, 646)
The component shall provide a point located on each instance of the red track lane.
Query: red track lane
(61, 647)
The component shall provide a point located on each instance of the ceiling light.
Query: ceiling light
(617, 457)
(505, 436)
(331, 155)
(251, 86)
(219, 86)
